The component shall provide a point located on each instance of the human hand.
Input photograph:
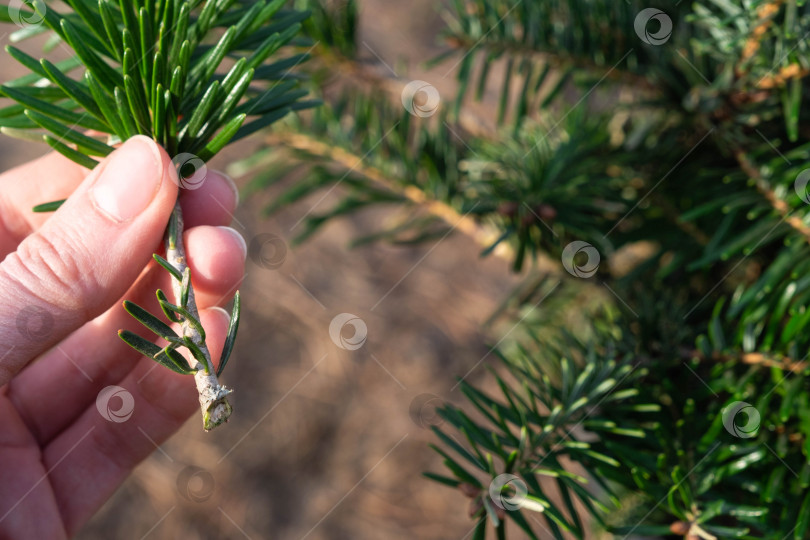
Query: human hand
(61, 285)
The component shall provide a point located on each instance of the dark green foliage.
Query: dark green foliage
(542, 419)
(154, 69)
(684, 163)
(233, 327)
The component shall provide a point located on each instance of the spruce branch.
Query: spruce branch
(766, 13)
(720, 318)
(753, 358)
(311, 146)
(213, 396)
(531, 429)
(157, 69)
(780, 207)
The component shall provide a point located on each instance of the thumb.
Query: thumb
(86, 256)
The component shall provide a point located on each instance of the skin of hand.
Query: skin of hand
(63, 277)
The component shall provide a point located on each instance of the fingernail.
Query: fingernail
(239, 239)
(224, 315)
(130, 179)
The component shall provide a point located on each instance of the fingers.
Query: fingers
(93, 357)
(212, 251)
(90, 251)
(52, 177)
(24, 492)
(105, 451)
(212, 204)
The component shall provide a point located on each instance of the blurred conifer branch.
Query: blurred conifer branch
(679, 153)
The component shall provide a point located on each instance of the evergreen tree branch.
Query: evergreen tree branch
(765, 13)
(720, 321)
(780, 206)
(351, 162)
(753, 359)
(212, 395)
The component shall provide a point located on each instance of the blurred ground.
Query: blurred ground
(323, 444)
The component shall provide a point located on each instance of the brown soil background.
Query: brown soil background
(322, 444)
